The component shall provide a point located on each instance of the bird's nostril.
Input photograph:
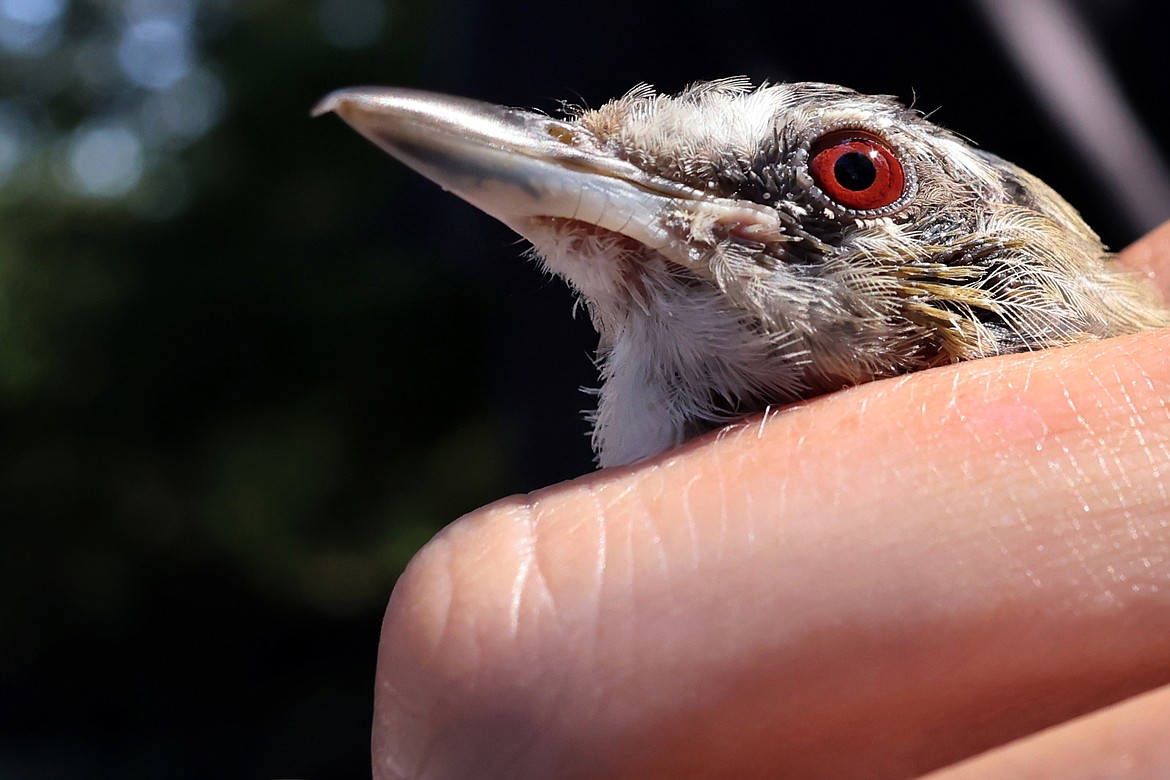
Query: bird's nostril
(563, 134)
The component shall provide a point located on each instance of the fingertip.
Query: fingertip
(487, 665)
(438, 677)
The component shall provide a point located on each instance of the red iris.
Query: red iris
(857, 170)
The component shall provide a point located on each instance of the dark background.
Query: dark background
(244, 375)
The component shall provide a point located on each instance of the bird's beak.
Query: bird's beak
(522, 167)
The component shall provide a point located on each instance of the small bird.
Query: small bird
(738, 247)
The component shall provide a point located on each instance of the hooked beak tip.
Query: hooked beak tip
(334, 103)
(325, 105)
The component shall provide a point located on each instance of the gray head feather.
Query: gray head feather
(724, 272)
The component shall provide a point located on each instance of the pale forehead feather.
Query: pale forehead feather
(731, 114)
(728, 111)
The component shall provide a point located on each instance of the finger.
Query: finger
(1126, 740)
(1150, 256)
(878, 582)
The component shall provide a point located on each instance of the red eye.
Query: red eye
(857, 170)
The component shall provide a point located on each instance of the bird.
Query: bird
(741, 246)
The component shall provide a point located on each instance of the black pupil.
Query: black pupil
(854, 171)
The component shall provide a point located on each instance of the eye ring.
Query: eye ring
(857, 169)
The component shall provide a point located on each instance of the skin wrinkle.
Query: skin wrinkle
(1120, 538)
(598, 572)
(393, 763)
(764, 420)
(523, 569)
(548, 683)
(633, 511)
(578, 611)
(690, 520)
(530, 570)
(1159, 473)
(1106, 466)
(1028, 377)
(1137, 422)
(743, 447)
(1137, 419)
(721, 487)
(675, 548)
(412, 762)
(617, 582)
(589, 531)
(446, 611)
(510, 679)
(649, 522)
(621, 496)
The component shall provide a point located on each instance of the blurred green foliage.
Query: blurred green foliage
(224, 427)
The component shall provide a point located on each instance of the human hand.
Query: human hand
(874, 584)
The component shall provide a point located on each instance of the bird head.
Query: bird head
(738, 247)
